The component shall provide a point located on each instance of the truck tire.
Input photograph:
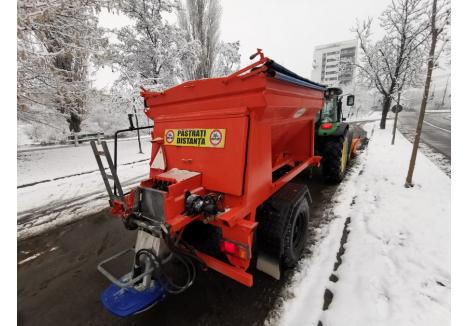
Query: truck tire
(283, 220)
(335, 158)
(296, 234)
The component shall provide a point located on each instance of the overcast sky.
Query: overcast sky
(288, 31)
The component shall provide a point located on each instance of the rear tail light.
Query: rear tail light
(234, 249)
(326, 125)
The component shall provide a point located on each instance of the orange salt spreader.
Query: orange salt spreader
(219, 192)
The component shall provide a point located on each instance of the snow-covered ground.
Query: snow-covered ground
(395, 248)
(58, 185)
(369, 116)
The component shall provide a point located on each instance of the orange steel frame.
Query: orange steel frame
(264, 132)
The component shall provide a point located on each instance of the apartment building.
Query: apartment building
(333, 63)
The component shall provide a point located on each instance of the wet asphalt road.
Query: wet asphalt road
(436, 131)
(62, 285)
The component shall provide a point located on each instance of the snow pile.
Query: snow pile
(395, 268)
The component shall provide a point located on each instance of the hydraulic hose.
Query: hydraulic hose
(186, 256)
(175, 248)
(158, 265)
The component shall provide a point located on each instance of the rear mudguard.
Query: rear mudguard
(353, 139)
(341, 130)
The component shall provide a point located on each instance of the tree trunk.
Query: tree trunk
(71, 102)
(422, 110)
(385, 108)
(74, 122)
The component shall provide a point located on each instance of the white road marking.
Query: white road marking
(430, 124)
(35, 256)
(30, 258)
(438, 111)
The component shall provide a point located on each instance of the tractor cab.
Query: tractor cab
(332, 109)
(334, 139)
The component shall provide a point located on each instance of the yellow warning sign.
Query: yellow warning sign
(195, 137)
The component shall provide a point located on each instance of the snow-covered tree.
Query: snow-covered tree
(56, 39)
(151, 52)
(109, 111)
(200, 20)
(395, 61)
(228, 58)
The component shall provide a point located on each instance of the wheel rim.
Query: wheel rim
(344, 155)
(299, 231)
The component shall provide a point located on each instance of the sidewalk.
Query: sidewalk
(394, 263)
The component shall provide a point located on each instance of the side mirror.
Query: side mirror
(350, 100)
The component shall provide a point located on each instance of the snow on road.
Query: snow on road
(58, 185)
(395, 267)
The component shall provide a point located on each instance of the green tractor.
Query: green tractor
(334, 139)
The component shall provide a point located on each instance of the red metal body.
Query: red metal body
(255, 125)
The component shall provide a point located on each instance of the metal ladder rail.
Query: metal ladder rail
(105, 177)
